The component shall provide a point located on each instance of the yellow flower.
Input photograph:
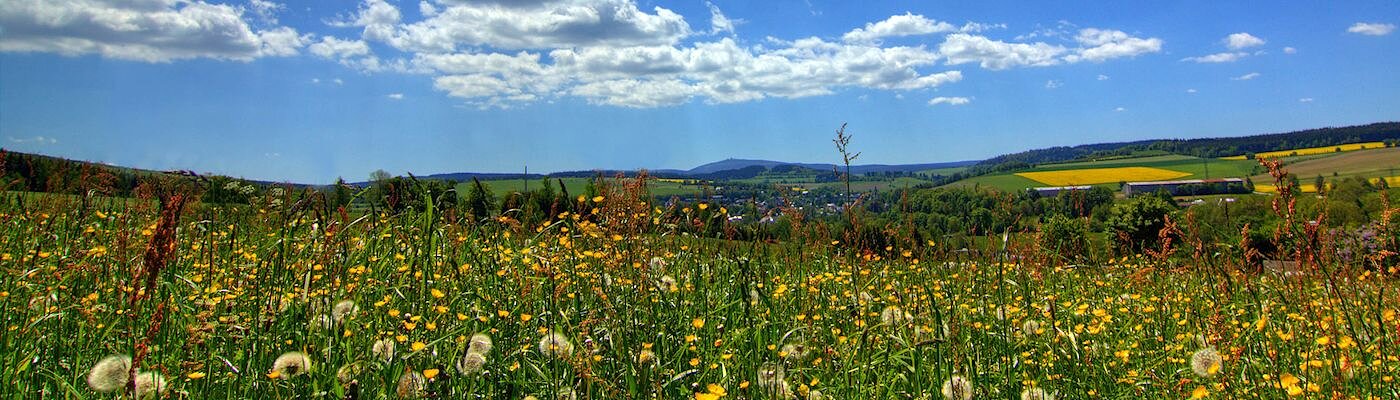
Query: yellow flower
(417, 346)
(430, 373)
(712, 392)
(438, 294)
(1200, 393)
(698, 323)
(525, 317)
(195, 375)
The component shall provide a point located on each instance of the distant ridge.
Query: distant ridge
(738, 163)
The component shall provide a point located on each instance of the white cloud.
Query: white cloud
(1053, 84)
(1372, 28)
(395, 96)
(1242, 40)
(1191, 91)
(896, 26)
(1103, 77)
(961, 48)
(146, 30)
(34, 140)
(524, 25)
(1104, 44)
(500, 53)
(332, 47)
(1305, 100)
(952, 101)
(1119, 109)
(1290, 50)
(315, 80)
(266, 10)
(338, 81)
(720, 23)
(1246, 77)
(1218, 57)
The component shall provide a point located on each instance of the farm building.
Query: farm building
(1186, 187)
(1052, 191)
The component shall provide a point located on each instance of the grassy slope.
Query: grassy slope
(1364, 163)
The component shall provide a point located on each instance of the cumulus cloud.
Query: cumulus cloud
(961, 48)
(1246, 77)
(1192, 91)
(1305, 100)
(1242, 40)
(899, 25)
(395, 96)
(720, 23)
(1218, 57)
(500, 53)
(1053, 84)
(1371, 28)
(952, 101)
(1105, 44)
(1290, 50)
(147, 30)
(1103, 77)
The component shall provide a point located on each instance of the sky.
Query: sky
(308, 91)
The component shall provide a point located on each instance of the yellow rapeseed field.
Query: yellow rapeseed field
(1313, 150)
(1091, 176)
(1312, 188)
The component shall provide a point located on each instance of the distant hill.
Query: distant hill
(736, 163)
(1203, 147)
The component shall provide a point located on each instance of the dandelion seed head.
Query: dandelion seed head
(291, 364)
(344, 309)
(480, 343)
(1036, 394)
(471, 364)
(149, 385)
(411, 385)
(556, 345)
(893, 316)
(1206, 362)
(383, 350)
(1030, 327)
(110, 374)
(347, 373)
(957, 388)
(769, 374)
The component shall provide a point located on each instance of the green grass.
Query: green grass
(576, 186)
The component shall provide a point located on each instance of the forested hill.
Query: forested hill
(1205, 147)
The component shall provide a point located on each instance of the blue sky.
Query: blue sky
(310, 91)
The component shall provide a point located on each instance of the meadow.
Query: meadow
(281, 299)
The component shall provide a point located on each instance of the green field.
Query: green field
(1199, 168)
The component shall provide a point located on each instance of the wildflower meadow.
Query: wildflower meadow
(165, 298)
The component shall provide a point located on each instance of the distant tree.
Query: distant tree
(1138, 220)
(480, 201)
(1064, 238)
(340, 194)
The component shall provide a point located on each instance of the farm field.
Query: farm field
(1313, 150)
(1192, 167)
(276, 304)
(1090, 176)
